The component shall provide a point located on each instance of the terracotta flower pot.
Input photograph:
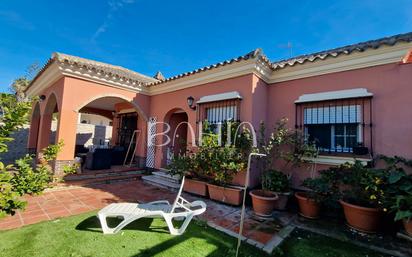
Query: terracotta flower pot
(263, 202)
(407, 224)
(239, 179)
(196, 187)
(227, 195)
(308, 207)
(362, 218)
(282, 201)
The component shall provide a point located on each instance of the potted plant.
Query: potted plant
(273, 195)
(224, 163)
(363, 196)
(309, 201)
(270, 197)
(284, 146)
(241, 139)
(185, 165)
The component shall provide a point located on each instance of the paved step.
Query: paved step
(167, 176)
(160, 181)
(96, 175)
(104, 180)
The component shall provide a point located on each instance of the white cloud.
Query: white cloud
(114, 6)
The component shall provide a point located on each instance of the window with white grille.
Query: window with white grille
(221, 114)
(335, 128)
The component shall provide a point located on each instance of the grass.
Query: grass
(81, 236)
(306, 244)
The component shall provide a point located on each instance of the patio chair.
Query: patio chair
(129, 212)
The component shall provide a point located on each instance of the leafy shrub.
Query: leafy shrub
(363, 186)
(181, 165)
(27, 180)
(275, 181)
(398, 194)
(71, 169)
(50, 152)
(9, 198)
(320, 189)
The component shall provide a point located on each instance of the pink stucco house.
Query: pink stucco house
(352, 96)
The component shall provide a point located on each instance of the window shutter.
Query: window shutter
(332, 114)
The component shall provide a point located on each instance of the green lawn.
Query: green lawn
(81, 236)
(306, 244)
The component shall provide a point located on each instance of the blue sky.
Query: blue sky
(178, 36)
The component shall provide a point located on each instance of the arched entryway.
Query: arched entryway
(49, 123)
(177, 120)
(114, 126)
(34, 128)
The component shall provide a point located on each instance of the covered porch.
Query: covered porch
(64, 100)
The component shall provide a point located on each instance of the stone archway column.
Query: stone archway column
(44, 132)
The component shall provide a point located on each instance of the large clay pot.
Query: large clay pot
(362, 218)
(196, 187)
(263, 202)
(282, 201)
(308, 207)
(227, 195)
(407, 224)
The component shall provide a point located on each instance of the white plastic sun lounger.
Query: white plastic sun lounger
(181, 209)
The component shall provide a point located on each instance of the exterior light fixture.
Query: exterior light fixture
(190, 102)
(42, 98)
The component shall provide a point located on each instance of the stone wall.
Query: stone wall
(87, 134)
(17, 147)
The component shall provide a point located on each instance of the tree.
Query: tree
(21, 178)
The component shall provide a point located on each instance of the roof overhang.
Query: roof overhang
(357, 60)
(56, 70)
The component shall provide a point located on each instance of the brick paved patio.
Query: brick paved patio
(67, 201)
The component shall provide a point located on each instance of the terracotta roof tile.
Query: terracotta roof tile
(345, 50)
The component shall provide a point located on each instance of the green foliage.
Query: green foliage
(284, 144)
(365, 186)
(354, 183)
(388, 188)
(50, 152)
(398, 194)
(14, 115)
(71, 169)
(181, 165)
(275, 181)
(226, 161)
(9, 198)
(320, 189)
(27, 180)
(215, 162)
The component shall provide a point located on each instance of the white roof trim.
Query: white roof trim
(334, 95)
(219, 97)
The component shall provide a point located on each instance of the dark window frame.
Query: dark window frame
(365, 128)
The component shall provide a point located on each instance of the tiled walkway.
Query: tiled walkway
(66, 201)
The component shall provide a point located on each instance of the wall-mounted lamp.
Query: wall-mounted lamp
(42, 98)
(190, 102)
